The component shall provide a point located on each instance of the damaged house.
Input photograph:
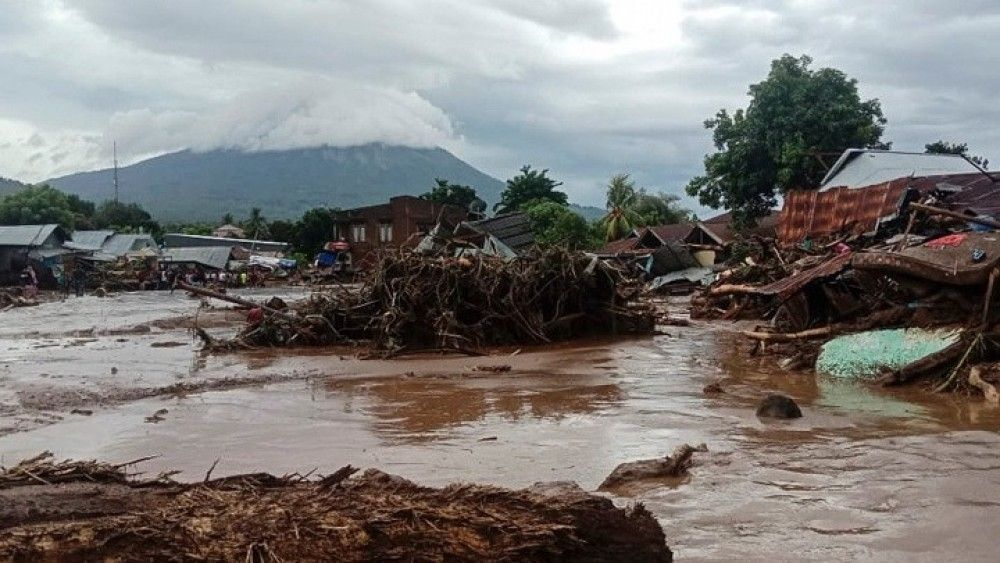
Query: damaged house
(38, 245)
(403, 221)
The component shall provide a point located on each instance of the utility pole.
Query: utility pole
(115, 152)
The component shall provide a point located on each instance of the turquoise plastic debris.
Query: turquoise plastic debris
(865, 354)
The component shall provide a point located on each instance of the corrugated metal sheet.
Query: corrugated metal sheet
(121, 244)
(211, 256)
(857, 168)
(180, 240)
(855, 211)
(26, 235)
(786, 287)
(513, 229)
(90, 240)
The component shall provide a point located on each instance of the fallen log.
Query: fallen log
(931, 210)
(239, 301)
(789, 336)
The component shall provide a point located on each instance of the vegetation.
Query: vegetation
(944, 147)
(455, 194)
(528, 188)
(795, 117)
(659, 209)
(556, 225)
(621, 217)
(45, 204)
(36, 204)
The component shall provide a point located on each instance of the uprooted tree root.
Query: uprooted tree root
(374, 517)
(413, 302)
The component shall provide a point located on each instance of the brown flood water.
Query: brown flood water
(873, 474)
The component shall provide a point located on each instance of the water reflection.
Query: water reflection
(422, 408)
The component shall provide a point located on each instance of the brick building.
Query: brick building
(401, 222)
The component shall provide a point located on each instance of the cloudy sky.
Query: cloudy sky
(585, 88)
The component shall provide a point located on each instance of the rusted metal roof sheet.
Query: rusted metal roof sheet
(815, 213)
(787, 287)
(860, 210)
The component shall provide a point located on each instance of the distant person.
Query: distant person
(30, 282)
(79, 280)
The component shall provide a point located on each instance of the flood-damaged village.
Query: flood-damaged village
(794, 354)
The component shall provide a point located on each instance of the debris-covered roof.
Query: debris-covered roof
(29, 235)
(513, 229)
(857, 168)
(212, 256)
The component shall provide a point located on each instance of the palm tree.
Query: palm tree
(621, 216)
(256, 225)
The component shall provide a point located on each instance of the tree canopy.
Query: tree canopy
(944, 147)
(124, 217)
(659, 209)
(555, 224)
(529, 187)
(455, 194)
(795, 116)
(36, 205)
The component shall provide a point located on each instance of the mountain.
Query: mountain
(7, 185)
(588, 212)
(203, 186)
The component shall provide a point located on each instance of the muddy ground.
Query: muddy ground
(898, 474)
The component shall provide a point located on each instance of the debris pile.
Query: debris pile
(922, 268)
(10, 298)
(413, 302)
(371, 517)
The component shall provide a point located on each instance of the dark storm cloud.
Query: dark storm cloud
(586, 88)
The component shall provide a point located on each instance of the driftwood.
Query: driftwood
(789, 336)
(989, 390)
(675, 465)
(413, 302)
(931, 210)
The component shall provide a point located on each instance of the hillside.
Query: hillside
(7, 185)
(190, 186)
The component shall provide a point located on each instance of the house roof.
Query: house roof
(865, 167)
(29, 235)
(672, 233)
(513, 229)
(122, 244)
(821, 213)
(626, 244)
(720, 228)
(90, 240)
(180, 240)
(212, 256)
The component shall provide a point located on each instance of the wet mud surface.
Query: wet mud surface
(892, 475)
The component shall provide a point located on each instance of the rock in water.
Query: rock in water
(778, 406)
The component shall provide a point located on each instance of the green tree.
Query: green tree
(528, 187)
(36, 204)
(284, 231)
(228, 219)
(455, 194)
(621, 217)
(315, 230)
(944, 147)
(83, 212)
(555, 224)
(256, 225)
(794, 117)
(659, 209)
(124, 217)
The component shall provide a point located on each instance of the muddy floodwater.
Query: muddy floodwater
(900, 475)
